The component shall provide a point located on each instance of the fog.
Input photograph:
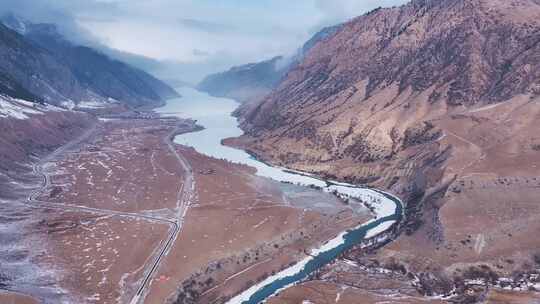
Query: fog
(187, 39)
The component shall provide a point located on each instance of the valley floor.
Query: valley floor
(121, 214)
(125, 216)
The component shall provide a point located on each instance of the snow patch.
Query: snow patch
(96, 103)
(20, 109)
(331, 244)
(9, 107)
(379, 229)
(91, 104)
(68, 104)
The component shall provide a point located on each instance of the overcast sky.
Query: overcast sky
(201, 35)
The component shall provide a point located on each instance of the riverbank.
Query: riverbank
(252, 227)
(364, 235)
(219, 124)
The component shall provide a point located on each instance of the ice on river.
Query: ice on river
(214, 114)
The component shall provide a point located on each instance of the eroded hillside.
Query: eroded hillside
(436, 101)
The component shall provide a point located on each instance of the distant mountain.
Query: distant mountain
(255, 80)
(246, 81)
(40, 61)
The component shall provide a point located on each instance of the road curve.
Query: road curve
(183, 202)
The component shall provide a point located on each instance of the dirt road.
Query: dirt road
(183, 202)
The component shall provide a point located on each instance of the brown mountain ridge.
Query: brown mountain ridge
(437, 101)
(378, 88)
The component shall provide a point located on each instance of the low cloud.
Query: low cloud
(192, 37)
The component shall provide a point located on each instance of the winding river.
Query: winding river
(214, 114)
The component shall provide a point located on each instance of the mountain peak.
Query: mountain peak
(15, 23)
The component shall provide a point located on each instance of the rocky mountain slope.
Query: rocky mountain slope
(253, 81)
(437, 101)
(43, 63)
(33, 69)
(10, 87)
(379, 87)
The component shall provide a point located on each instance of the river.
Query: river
(214, 114)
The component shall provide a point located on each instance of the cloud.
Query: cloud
(59, 12)
(197, 52)
(345, 9)
(200, 36)
(205, 26)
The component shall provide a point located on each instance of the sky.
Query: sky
(187, 39)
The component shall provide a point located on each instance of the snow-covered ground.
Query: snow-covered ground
(91, 104)
(95, 102)
(379, 229)
(21, 109)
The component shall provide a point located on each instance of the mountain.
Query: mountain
(246, 81)
(253, 81)
(319, 36)
(437, 101)
(47, 65)
(28, 69)
(378, 86)
(10, 87)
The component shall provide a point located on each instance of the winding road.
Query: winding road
(184, 195)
